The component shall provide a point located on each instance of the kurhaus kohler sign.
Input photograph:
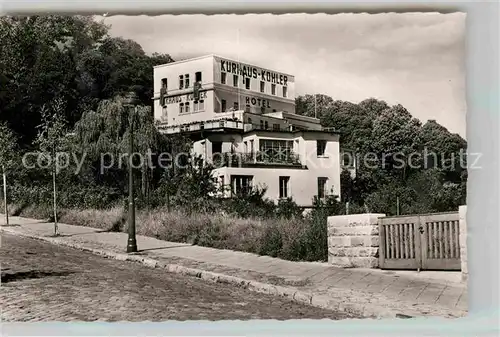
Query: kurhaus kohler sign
(184, 98)
(249, 71)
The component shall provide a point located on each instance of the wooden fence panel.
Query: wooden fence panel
(398, 244)
(428, 241)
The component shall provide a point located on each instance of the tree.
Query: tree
(102, 135)
(313, 105)
(52, 138)
(38, 59)
(8, 145)
(70, 57)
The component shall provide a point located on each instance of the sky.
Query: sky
(413, 59)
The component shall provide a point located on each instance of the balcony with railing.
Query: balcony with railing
(223, 123)
(272, 158)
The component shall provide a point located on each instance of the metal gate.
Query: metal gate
(429, 241)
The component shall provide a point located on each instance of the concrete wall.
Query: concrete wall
(462, 211)
(353, 240)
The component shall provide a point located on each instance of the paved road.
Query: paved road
(44, 282)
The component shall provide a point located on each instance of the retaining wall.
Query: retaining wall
(353, 240)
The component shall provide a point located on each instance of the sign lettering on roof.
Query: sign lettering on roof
(253, 72)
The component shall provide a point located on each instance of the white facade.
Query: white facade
(247, 113)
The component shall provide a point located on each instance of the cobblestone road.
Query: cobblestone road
(44, 282)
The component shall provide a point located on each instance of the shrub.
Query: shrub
(288, 209)
(272, 242)
(110, 219)
(80, 197)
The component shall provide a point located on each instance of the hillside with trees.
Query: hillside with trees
(434, 182)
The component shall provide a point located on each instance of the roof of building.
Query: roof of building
(220, 57)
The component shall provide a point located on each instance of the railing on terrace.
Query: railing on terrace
(203, 125)
(225, 123)
(237, 159)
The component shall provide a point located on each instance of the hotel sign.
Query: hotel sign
(184, 98)
(253, 72)
(260, 102)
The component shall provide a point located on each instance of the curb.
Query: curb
(320, 301)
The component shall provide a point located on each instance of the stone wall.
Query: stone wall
(462, 211)
(353, 240)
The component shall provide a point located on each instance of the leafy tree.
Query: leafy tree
(313, 105)
(38, 64)
(393, 135)
(71, 57)
(52, 139)
(8, 147)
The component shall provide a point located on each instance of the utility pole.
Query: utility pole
(131, 105)
(315, 109)
(6, 208)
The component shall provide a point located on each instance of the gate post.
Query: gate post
(353, 240)
(462, 211)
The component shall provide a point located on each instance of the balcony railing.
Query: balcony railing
(237, 159)
(202, 125)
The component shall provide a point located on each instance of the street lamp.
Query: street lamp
(130, 103)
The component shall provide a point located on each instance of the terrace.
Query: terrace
(237, 159)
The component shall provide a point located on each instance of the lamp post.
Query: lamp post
(131, 104)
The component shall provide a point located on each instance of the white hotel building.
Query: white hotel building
(245, 112)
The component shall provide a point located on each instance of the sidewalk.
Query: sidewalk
(366, 292)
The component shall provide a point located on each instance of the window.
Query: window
(262, 86)
(164, 83)
(347, 159)
(223, 105)
(181, 108)
(197, 76)
(181, 81)
(186, 107)
(276, 127)
(164, 113)
(223, 78)
(273, 89)
(262, 125)
(322, 187)
(241, 185)
(284, 183)
(187, 80)
(266, 125)
(247, 83)
(284, 92)
(198, 106)
(235, 106)
(247, 108)
(320, 147)
(249, 120)
(235, 80)
(273, 147)
(216, 147)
